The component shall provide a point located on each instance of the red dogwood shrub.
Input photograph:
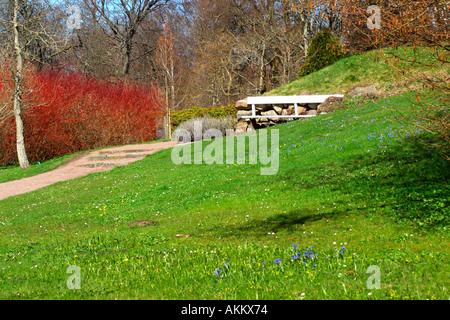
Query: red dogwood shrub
(70, 112)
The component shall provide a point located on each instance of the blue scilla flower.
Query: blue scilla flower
(277, 261)
(217, 272)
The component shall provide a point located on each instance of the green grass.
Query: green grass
(389, 70)
(348, 179)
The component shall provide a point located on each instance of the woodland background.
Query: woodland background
(179, 54)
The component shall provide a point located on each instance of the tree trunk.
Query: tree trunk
(126, 57)
(262, 73)
(20, 140)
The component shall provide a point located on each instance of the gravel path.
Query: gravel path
(83, 165)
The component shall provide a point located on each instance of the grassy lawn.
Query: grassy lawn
(351, 192)
(388, 69)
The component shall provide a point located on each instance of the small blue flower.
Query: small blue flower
(217, 272)
(277, 261)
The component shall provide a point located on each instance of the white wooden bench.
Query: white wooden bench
(291, 100)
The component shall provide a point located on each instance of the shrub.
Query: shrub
(68, 113)
(206, 123)
(325, 49)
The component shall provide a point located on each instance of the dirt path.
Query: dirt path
(83, 165)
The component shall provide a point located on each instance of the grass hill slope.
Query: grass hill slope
(353, 191)
(389, 69)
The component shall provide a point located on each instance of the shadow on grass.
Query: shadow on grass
(413, 180)
(276, 223)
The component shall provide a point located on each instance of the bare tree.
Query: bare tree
(17, 96)
(121, 19)
(28, 37)
(165, 62)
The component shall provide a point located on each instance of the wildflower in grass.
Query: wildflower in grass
(277, 261)
(295, 246)
(217, 272)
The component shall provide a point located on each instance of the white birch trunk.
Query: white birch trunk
(20, 140)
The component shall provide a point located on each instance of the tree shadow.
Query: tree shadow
(275, 223)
